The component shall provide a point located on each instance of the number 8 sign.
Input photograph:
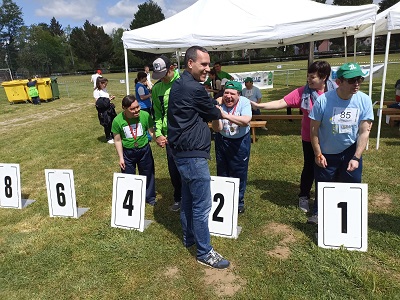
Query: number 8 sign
(343, 215)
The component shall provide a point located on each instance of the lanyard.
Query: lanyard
(232, 112)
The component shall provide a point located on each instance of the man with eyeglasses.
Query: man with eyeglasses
(341, 121)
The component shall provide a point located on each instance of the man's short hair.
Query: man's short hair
(191, 53)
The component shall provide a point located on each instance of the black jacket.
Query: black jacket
(105, 111)
(189, 110)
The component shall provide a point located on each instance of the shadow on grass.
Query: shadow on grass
(393, 143)
(282, 193)
(384, 223)
(169, 219)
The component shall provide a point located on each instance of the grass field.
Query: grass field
(275, 256)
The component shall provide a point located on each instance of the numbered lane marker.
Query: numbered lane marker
(224, 210)
(343, 215)
(128, 202)
(61, 194)
(10, 187)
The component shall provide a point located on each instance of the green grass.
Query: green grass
(275, 256)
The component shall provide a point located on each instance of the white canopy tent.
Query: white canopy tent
(387, 22)
(259, 24)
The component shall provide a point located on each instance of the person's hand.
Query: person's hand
(321, 162)
(254, 105)
(122, 164)
(112, 97)
(353, 164)
(161, 141)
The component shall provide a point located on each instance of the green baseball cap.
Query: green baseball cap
(248, 79)
(350, 70)
(234, 85)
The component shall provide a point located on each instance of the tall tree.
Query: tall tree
(10, 23)
(55, 27)
(92, 44)
(351, 2)
(148, 13)
(385, 4)
(320, 1)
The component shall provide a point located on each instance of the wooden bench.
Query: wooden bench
(253, 126)
(392, 119)
(276, 117)
(389, 111)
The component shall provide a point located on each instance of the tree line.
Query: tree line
(49, 48)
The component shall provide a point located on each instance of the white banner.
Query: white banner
(261, 79)
(378, 71)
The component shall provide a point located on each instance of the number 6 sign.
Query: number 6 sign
(343, 215)
(61, 194)
(223, 216)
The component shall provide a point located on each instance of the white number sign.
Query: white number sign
(223, 216)
(10, 187)
(128, 201)
(61, 194)
(343, 215)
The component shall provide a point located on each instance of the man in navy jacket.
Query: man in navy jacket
(189, 110)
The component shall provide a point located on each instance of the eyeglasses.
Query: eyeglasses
(359, 80)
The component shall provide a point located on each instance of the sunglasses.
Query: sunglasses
(354, 80)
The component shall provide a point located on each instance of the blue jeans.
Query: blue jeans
(232, 157)
(143, 158)
(195, 203)
(336, 171)
(174, 175)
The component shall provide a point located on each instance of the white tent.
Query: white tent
(253, 24)
(387, 22)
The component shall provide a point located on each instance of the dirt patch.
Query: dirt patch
(224, 282)
(282, 250)
(381, 202)
(171, 272)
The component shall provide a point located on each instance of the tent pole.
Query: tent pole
(311, 53)
(345, 47)
(355, 49)
(383, 88)
(371, 64)
(126, 71)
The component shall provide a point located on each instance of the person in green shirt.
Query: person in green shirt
(220, 74)
(166, 74)
(130, 129)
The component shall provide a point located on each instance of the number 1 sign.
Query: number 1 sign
(223, 216)
(343, 215)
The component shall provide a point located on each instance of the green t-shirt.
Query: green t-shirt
(221, 75)
(160, 97)
(139, 127)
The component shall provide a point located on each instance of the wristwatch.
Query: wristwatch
(355, 158)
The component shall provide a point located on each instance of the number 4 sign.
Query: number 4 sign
(61, 194)
(128, 202)
(224, 210)
(10, 187)
(343, 215)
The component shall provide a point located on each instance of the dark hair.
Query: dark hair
(191, 53)
(99, 81)
(128, 100)
(218, 63)
(140, 75)
(212, 71)
(321, 67)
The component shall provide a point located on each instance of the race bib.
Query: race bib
(136, 129)
(345, 116)
(230, 128)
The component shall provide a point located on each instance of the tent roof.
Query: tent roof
(388, 20)
(250, 24)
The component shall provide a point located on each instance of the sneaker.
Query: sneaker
(110, 141)
(214, 260)
(313, 220)
(303, 203)
(241, 210)
(175, 207)
(264, 128)
(153, 203)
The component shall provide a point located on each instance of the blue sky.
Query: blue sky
(107, 13)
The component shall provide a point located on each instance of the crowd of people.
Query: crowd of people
(176, 110)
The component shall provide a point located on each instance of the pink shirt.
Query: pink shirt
(293, 99)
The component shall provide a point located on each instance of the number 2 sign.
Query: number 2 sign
(223, 216)
(343, 215)
(61, 193)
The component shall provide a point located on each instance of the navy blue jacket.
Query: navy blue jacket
(189, 110)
